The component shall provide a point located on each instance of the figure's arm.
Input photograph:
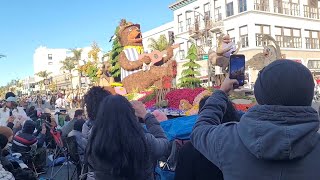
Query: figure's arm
(220, 50)
(169, 54)
(238, 48)
(132, 65)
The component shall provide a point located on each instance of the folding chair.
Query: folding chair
(74, 156)
(60, 149)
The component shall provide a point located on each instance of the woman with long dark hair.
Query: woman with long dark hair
(92, 100)
(119, 148)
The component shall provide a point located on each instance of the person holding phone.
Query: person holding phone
(10, 114)
(237, 69)
(276, 139)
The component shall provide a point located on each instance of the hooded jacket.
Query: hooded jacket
(269, 142)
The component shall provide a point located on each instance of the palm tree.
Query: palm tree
(68, 65)
(77, 57)
(160, 44)
(94, 52)
(44, 75)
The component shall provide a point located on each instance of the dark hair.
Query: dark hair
(3, 141)
(92, 100)
(118, 139)
(67, 118)
(231, 113)
(203, 102)
(78, 112)
(10, 94)
(78, 125)
(32, 108)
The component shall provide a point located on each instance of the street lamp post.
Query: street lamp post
(205, 41)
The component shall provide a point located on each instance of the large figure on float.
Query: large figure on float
(220, 58)
(138, 69)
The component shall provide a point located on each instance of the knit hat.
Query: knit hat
(9, 94)
(6, 131)
(28, 127)
(286, 83)
(78, 125)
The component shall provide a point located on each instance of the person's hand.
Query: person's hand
(19, 117)
(17, 125)
(228, 84)
(140, 109)
(10, 119)
(44, 129)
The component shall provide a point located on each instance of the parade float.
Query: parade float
(148, 77)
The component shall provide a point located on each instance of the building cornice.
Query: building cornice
(179, 4)
(271, 14)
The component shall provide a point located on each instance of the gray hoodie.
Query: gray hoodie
(269, 142)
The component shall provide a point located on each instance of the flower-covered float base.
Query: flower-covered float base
(182, 102)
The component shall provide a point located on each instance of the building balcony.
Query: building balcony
(287, 8)
(194, 29)
(312, 43)
(216, 26)
(261, 7)
(310, 12)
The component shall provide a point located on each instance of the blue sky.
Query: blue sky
(27, 24)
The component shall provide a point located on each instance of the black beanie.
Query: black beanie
(28, 127)
(78, 125)
(10, 94)
(286, 83)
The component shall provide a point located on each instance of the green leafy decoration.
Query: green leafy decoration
(191, 70)
(115, 69)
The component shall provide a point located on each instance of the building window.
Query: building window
(232, 35)
(199, 42)
(207, 15)
(50, 63)
(261, 5)
(288, 37)
(313, 64)
(310, 12)
(180, 23)
(188, 20)
(182, 54)
(260, 31)
(244, 36)
(229, 7)
(242, 5)
(189, 44)
(312, 39)
(196, 19)
(49, 56)
(289, 7)
(218, 14)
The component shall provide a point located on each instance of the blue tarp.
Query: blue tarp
(179, 128)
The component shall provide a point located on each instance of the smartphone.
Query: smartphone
(237, 68)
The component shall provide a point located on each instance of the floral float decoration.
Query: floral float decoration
(192, 109)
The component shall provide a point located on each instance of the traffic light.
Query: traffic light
(171, 37)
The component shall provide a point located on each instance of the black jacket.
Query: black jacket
(192, 165)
